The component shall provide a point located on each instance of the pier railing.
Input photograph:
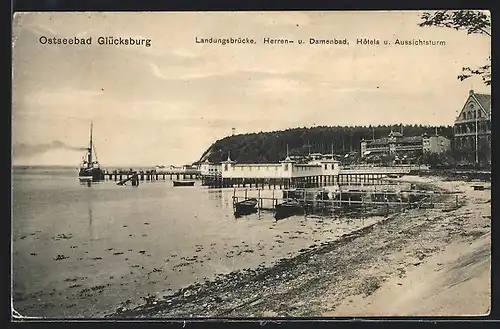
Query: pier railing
(374, 170)
(375, 166)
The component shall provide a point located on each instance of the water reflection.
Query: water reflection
(88, 183)
(91, 233)
(215, 195)
(89, 197)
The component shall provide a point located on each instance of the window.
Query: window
(225, 167)
(326, 166)
(286, 167)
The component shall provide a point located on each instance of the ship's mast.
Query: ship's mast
(89, 160)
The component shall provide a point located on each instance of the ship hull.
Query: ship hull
(90, 175)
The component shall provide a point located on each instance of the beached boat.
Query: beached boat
(90, 170)
(245, 207)
(183, 183)
(287, 209)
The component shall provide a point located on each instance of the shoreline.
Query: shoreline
(323, 279)
(193, 291)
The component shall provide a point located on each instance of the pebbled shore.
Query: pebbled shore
(360, 272)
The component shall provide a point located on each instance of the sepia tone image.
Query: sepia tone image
(251, 164)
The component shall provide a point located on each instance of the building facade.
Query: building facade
(472, 129)
(397, 144)
(287, 168)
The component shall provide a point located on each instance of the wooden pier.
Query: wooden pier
(150, 175)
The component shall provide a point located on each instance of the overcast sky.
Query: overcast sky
(167, 103)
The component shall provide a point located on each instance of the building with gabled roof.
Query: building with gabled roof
(397, 144)
(472, 128)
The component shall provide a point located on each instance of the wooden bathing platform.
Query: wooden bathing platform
(355, 200)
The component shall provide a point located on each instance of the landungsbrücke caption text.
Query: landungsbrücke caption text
(317, 41)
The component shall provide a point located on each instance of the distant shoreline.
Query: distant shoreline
(43, 166)
(73, 167)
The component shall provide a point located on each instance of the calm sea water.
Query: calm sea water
(81, 251)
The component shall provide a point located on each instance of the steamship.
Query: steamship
(90, 170)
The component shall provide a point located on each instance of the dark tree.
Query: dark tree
(473, 21)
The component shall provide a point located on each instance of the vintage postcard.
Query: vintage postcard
(251, 164)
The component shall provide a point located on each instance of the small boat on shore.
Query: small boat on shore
(183, 182)
(287, 209)
(245, 207)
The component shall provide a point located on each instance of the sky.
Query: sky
(167, 103)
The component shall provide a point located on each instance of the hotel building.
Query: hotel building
(472, 128)
(397, 144)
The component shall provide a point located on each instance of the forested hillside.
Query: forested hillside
(271, 146)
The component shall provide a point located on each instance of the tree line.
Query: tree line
(272, 146)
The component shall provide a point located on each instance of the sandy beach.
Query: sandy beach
(428, 262)
(452, 276)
